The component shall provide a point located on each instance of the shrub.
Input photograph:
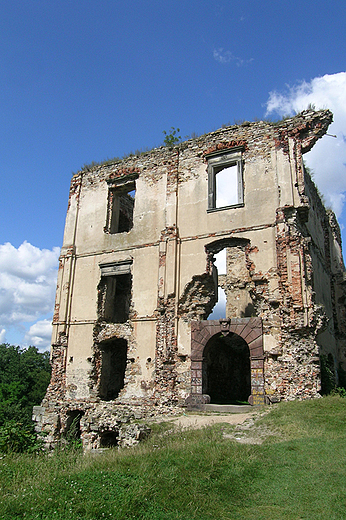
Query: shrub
(16, 438)
(172, 138)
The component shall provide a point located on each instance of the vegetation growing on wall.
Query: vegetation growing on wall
(172, 138)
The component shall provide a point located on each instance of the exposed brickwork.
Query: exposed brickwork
(225, 146)
(123, 173)
(75, 188)
(56, 313)
(166, 350)
(307, 127)
(57, 385)
(198, 298)
(284, 282)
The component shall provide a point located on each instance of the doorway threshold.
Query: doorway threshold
(227, 408)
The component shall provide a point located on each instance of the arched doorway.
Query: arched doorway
(226, 370)
(202, 333)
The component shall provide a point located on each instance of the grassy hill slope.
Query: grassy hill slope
(298, 472)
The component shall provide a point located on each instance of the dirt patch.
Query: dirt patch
(240, 427)
(249, 432)
(200, 421)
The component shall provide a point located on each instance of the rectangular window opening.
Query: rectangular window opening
(120, 207)
(225, 181)
(114, 292)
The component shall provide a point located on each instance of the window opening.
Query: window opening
(113, 366)
(230, 262)
(115, 295)
(121, 211)
(114, 292)
(121, 203)
(225, 180)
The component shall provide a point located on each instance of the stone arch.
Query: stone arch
(218, 245)
(250, 330)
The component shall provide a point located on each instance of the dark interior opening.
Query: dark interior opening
(122, 203)
(126, 206)
(328, 376)
(115, 298)
(72, 430)
(113, 366)
(226, 369)
(109, 439)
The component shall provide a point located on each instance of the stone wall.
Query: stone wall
(137, 273)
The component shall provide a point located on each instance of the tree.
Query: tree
(172, 138)
(24, 377)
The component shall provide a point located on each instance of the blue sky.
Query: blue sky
(86, 80)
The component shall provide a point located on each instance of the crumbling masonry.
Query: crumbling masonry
(137, 281)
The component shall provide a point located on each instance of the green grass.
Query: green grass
(297, 473)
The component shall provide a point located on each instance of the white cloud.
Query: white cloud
(39, 334)
(328, 157)
(2, 335)
(27, 285)
(227, 56)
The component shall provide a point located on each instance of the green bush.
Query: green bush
(17, 438)
(340, 390)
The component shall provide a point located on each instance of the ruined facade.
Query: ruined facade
(138, 280)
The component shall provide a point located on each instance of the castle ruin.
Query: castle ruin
(139, 277)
